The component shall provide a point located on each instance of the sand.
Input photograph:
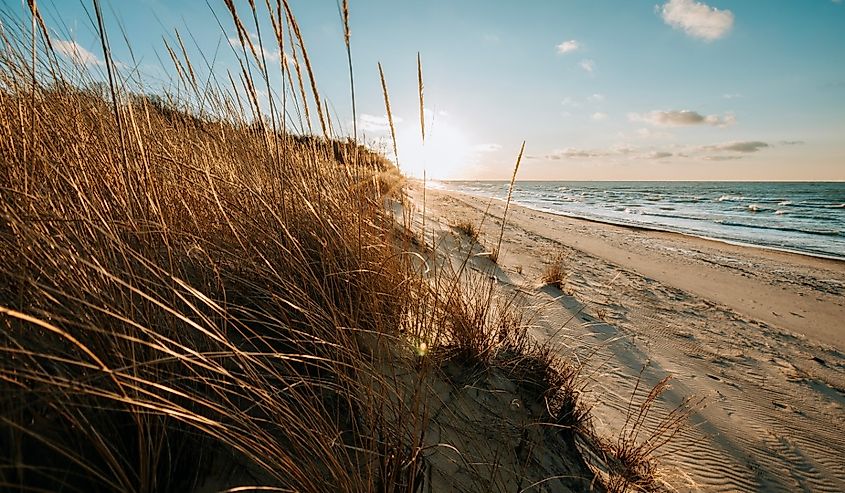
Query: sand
(759, 335)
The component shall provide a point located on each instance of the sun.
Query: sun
(444, 155)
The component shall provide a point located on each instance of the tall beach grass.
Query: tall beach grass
(196, 294)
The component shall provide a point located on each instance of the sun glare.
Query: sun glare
(445, 154)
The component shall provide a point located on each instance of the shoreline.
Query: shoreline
(811, 254)
(793, 291)
(755, 333)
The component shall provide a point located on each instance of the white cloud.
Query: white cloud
(715, 152)
(599, 116)
(376, 124)
(573, 153)
(681, 118)
(76, 53)
(733, 95)
(568, 47)
(269, 55)
(595, 98)
(588, 65)
(697, 19)
(743, 147)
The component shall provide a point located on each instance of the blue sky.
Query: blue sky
(599, 89)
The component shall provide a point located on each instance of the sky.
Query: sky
(598, 89)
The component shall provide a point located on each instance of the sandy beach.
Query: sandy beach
(756, 334)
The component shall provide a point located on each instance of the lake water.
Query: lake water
(807, 217)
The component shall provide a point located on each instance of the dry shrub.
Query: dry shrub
(602, 314)
(628, 462)
(468, 229)
(555, 273)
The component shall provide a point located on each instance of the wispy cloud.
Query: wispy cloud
(599, 116)
(697, 19)
(681, 118)
(727, 151)
(733, 95)
(568, 47)
(588, 65)
(595, 98)
(574, 153)
(743, 147)
(269, 55)
(75, 52)
(376, 124)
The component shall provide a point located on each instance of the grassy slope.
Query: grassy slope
(194, 302)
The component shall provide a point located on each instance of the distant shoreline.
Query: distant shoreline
(639, 227)
(634, 181)
(762, 283)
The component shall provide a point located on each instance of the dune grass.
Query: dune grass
(555, 273)
(199, 297)
(468, 229)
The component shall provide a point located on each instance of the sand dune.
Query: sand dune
(757, 334)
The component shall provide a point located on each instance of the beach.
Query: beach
(755, 334)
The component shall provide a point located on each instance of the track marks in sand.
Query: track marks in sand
(743, 440)
(775, 405)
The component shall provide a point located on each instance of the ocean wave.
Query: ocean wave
(774, 215)
(678, 216)
(823, 232)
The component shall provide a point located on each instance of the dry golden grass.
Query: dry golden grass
(555, 273)
(494, 255)
(173, 284)
(468, 229)
(192, 294)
